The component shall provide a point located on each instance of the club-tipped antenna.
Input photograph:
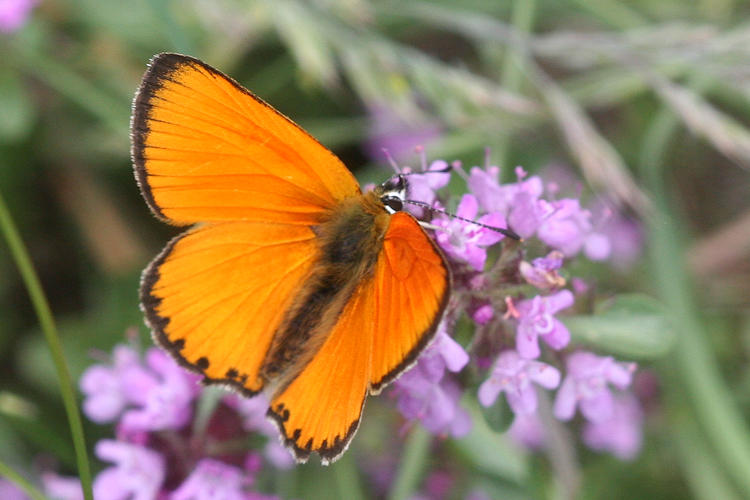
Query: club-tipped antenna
(507, 232)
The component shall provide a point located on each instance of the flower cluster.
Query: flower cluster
(515, 301)
(161, 449)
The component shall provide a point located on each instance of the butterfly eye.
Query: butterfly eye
(392, 203)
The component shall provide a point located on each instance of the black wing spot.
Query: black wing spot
(202, 363)
(232, 373)
(308, 445)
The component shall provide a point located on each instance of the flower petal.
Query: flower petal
(488, 392)
(543, 374)
(565, 402)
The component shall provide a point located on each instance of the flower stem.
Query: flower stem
(20, 481)
(560, 451)
(346, 478)
(39, 301)
(410, 469)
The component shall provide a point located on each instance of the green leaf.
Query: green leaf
(633, 326)
(499, 416)
(491, 452)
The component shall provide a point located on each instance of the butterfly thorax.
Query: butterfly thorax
(350, 240)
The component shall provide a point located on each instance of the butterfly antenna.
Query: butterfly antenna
(443, 170)
(507, 232)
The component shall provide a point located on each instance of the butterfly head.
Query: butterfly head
(392, 193)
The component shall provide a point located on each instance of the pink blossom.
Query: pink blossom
(536, 319)
(586, 384)
(622, 433)
(464, 240)
(514, 376)
(137, 474)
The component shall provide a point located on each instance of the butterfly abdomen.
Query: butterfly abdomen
(350, 241)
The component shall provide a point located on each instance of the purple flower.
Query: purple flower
(162, 392)
(156, 396)
(464, 240)
(435, 404)
(213, 479)
(624, 234)
(424, 394)
(622, 433)
(536, 320)
(518, 201)
(13, 14)
(138, 472)
(528, 211)
(483, 314)
(586, 385)
(9, 491)
(103, 388)
(597, 246)
(484, 183)
(253, 413)
(542, 272)
(528, 431)
(446, 351)
(422, 187)
(568, 228)
(514, 376)
(61, 487)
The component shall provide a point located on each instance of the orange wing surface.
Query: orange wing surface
(389, 319)
(206, 149)
(216, 294)
(412, 285)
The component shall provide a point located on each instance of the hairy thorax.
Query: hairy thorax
(350, 240)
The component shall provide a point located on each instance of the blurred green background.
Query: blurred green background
(648, 102)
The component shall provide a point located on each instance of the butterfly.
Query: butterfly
(290, 280)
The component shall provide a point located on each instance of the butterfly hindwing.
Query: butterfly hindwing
(373, 340)
(206, 149)
(216, 294)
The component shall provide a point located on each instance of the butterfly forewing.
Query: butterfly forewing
(216, 294)
(206, 149)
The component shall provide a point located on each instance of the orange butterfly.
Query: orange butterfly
(291, 280)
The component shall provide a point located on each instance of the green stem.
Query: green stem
(346, 478)
(38, 299)
(695, 368)
(522, 18)
(412, 465)
(20, 481)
